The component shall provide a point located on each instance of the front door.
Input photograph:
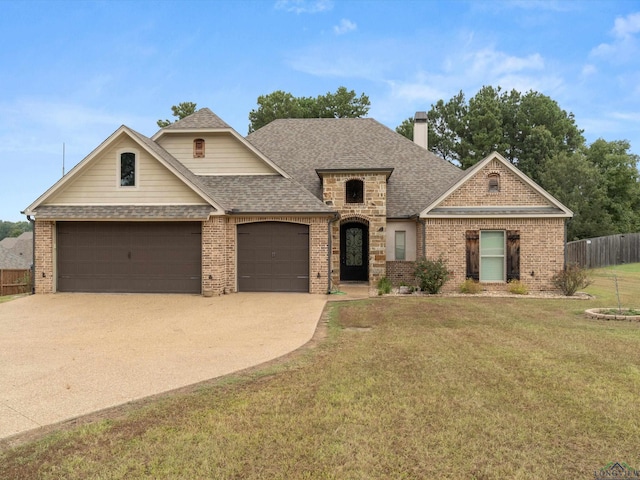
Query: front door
(354, 252)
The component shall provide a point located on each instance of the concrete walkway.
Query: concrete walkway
(67, 355)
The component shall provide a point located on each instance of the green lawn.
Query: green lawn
(472, 387)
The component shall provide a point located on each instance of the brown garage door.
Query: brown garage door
(136, 257)
(273, 257)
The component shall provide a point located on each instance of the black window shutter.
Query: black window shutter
(513, 255)
(473, 254)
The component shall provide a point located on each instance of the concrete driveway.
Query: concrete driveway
(66, 355)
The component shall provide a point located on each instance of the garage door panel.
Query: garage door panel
(141, 257)
(273, 256)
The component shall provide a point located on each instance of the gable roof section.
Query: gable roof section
(155, 150)
(201, 119)
(264, 194)
(302, 146)
(205, 121)
(553, 209)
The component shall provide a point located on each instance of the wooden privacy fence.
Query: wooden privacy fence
(604, 251)
(13, 282)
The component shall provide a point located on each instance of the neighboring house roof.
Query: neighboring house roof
(17, 252)
(11, 261)
(301, 146)
(263, 194)
(553, 209)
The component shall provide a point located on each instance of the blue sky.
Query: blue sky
(72, 72)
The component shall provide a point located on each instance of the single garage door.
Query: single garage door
(135, 257)
(273, 257)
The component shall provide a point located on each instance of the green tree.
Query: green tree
(180, 111)
(406, 128)
(620, 179)
(527, 129)
(13, 229)
(279, 104)
(577, 183)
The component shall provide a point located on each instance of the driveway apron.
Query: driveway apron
(67, 355)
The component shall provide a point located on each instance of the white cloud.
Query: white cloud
(304, 6)
(625, 46)
(345, 26)
(589, 69)
(625, 27)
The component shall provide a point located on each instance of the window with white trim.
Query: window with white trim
(401, 245)
(127, 171)
(492, 256)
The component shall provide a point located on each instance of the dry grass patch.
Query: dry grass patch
(481, 388)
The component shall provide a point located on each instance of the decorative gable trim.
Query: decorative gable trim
(556, 209)
(89, 159)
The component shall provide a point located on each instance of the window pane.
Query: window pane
(400, 245)
(492, 269)
(127, 169)
(492, 256)
(355, 191)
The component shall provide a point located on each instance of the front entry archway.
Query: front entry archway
(354, 252)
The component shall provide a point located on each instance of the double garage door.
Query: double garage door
(135, 257)
(165, 257)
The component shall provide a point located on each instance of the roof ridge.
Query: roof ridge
(203, 118)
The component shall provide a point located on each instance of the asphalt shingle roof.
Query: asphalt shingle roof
(17, 252)
(203, 118)
(116, 212)
(262, 194)
(300, 146)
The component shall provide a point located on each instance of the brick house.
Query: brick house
(299, 205)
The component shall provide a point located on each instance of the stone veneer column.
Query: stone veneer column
(373, 211)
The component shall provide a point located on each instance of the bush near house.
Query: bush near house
(431, 274)
(571, 279)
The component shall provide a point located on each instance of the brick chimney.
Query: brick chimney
(420, 131)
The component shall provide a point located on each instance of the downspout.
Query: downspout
(33, 258)
(335, 217)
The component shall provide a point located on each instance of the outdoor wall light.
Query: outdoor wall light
(210, 277)
(533, 274)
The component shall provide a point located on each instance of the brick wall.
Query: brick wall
(541, 247)
(401, 272)
(513, 191)
(44, 232)
(214, 278)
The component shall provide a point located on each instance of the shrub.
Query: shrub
(470, 286)
(384, 286)
(431, 274)
(517, 287)
(570, 279)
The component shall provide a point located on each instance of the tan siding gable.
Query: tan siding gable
(224, 154)
(98, 182)
(513, 190)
